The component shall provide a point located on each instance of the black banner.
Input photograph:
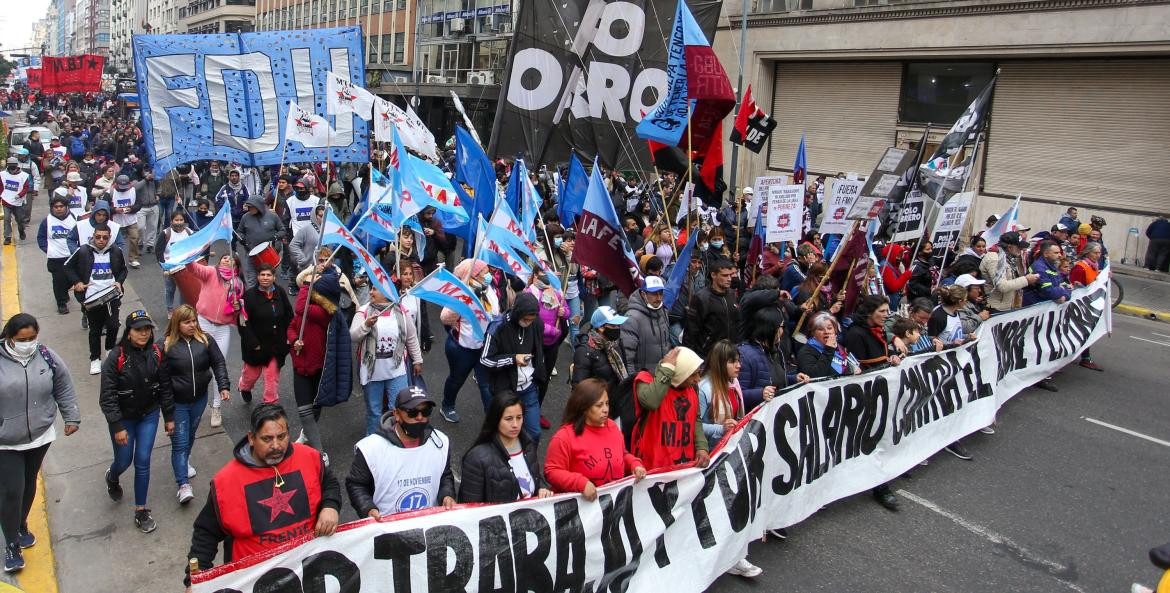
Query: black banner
(582, 74)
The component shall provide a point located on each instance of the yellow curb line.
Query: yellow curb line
(40, 571)
(1144, 312)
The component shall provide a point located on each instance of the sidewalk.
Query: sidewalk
(1147, 294)
(94, 540)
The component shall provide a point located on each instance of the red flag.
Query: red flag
(752, 125)
(855, 257)
(72, 74)
(712, 168)
(34, 78)
(746, 108)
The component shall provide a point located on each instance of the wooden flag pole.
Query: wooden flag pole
(799, 335)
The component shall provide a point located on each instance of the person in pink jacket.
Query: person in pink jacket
(554, 310)
(218, 303)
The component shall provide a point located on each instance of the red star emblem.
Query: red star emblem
(344, 96)
(279, 502)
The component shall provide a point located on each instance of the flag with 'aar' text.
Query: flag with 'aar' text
(335, 233)
(445, 289)
(188, 249)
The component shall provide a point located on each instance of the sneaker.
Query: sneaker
(95, 367)
(246, 395)
(1048, 385)
(325, 458)
(554, 372)
(302, 439)
(544, 423)
(924, 462)
(1092, 366)
(136, 265)
(84, 321)
(987, 430)
(216, 418)
(113, 488)
(185, 494)
(144, 521)
(887, 499)
(8, 241)
(13, 558)
(449, 414)
(746, 569)
(190, 471)
(25, 538)
(63, 310)
(959, 451)
(781, 533)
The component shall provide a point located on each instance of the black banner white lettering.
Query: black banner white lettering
(808, 447)
(582, 74)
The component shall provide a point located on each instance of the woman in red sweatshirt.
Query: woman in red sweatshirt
(895, 272)
(588, 450)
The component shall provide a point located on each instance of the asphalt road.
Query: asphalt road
(1052, 502)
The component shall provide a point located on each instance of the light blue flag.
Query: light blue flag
(443, 288)
(335, 233)
(188, 249)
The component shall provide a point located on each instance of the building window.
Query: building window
(372, 52)
(332, 10)
(365, 8)
(375, 6)
(400, 48)
(388, 6)
(352, 9)
(387, 47)
(401, 4)
(939, 92)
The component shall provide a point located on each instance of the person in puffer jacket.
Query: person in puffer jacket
(502, 465)
(134, 389)
(323, 357)
(645, 336)
(190, 358)
(554, 312)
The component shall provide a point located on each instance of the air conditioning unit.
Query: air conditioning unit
(481, 77)
(458, 25)
(399, 79)
(501, 23)
(434, 78)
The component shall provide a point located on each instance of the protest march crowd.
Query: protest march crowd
(668, 353)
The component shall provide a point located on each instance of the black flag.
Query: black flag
(940, 177)
(752, 125)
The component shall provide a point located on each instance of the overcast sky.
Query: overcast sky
(16, 24)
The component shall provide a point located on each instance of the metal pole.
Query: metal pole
(417, 56)
(739, 89)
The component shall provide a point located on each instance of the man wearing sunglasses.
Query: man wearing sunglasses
(405, 465)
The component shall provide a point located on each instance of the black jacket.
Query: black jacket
(488, 476)
(189, 365)
(590, 362)
(359, 484)
(263, 335)
(869, 351)
(208, 532)
(134, 385)
(507, 339)
(711, 317)
(921, 281)
(80, 265)
(814, 363)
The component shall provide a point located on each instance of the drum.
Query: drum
(265, 253)
(103, 297)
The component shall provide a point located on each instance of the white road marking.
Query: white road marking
(1023, 554)
(1127, 431)
(1151, 341)
(1160, 335)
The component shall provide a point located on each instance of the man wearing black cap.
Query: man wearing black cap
(405, 465)
(1003, 268)
(124, 201)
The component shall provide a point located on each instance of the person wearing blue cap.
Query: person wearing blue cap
(599, 354)
(646, 336)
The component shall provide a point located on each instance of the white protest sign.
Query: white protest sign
(763, 186)
(950, 221)
(809, 446)
(842, 193)
(914, 216)
(785, 213)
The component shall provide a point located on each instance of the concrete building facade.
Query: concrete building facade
(1078, 117)
(218, 16)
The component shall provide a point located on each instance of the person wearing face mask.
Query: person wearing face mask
(53, 239)
(74, 193)
(176, 231)
(17, 185)
(387, 340)
(34, 385)
(124, 198)
(645, 336)
(300, 208)
(92, 270)
(405, 465)
(232, 195)
(135, 388)
(266, 468)
(514, 358)
(554, 311)
(219, 303)
(463, 349)
(213, 181)
(599, 355)
(262, 327)
(924, 273)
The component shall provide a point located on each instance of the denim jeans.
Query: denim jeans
(530, 399)
(374, 391)
(187, 417)
(137, 451)
(574, 328)
(461, 363)
(174, 297)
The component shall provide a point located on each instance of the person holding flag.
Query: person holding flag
(465, 338)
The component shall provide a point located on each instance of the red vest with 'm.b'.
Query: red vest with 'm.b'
(665, 436)
(259, 515)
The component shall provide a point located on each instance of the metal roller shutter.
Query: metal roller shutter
(1090, 133)
(847, 110)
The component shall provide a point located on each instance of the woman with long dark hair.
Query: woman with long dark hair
(866, 339)
(588, 450)
(34, 385)
(135, 388)
(502, 465)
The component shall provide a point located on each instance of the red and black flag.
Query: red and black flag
(752, 125)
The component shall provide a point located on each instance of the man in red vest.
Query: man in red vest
(273, 492)
(668, 431)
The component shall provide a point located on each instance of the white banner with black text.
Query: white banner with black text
(809, 446)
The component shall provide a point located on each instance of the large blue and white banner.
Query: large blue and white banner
(226, 97)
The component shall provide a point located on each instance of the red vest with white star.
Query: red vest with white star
(257, 514)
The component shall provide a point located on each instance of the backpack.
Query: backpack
(122, 356)
(77, 147)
